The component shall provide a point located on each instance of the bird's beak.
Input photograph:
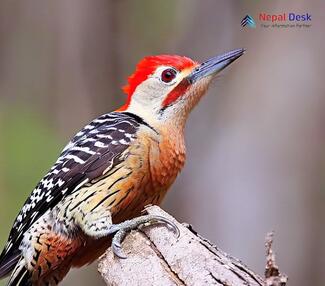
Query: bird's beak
(214, 65)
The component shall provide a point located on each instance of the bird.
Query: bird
(122, 161)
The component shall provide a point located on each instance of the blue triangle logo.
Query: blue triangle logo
(248, 21)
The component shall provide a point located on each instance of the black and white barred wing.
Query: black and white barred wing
(96, 149)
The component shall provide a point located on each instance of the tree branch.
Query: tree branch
(156, 257)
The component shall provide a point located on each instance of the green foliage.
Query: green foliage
(28, 149)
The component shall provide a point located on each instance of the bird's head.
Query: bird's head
(165, 88)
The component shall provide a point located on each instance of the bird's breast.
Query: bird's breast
(165, 159)
(166, 162)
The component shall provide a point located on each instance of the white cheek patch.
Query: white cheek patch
(151, 92)
(147, 99)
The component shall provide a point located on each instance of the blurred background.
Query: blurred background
(256, 156)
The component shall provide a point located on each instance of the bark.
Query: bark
(157, 257)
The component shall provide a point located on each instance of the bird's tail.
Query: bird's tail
(20, 276)
(8, 261)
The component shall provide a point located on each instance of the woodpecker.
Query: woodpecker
(116, 165)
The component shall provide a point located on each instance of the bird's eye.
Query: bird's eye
(168, 75)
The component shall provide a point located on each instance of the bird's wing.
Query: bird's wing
(98, 147)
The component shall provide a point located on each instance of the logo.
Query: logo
(283, 17)
(285, 20)
(248, 21)
(278, 20)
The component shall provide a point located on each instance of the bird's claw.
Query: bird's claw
(117, 249)
(123, 228)
(170, 224)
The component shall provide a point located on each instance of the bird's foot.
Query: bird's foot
(122, 229)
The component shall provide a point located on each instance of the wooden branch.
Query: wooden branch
(273, 277)
(157, 257)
